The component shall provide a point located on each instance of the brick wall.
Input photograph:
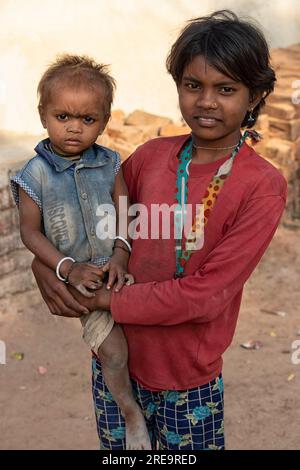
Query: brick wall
(15, 260)
(283, 110)
(280, 125)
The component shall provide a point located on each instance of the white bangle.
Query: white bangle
(59, 265)
(118, 237)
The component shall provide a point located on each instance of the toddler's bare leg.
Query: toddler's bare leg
(113, 355)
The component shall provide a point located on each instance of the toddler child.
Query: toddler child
(58, 193)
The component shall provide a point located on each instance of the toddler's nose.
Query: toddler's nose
(74, 126)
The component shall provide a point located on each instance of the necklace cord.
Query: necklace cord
(215, 148)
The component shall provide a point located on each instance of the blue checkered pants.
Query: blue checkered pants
(176, 420)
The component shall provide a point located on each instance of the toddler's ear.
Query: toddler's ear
(42, 118)
(106, 118)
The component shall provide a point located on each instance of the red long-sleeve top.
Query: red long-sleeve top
(178, 329)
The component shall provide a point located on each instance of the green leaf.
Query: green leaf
(165, 430)
(212, 405)
(215, 411)
(108, 436)
(181, 402)
(213, 447)
(184, 443)
(192, 419)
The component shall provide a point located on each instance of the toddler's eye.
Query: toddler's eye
(62, 117)
(88, 120)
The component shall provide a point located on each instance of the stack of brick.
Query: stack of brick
(283, 111)
(15, 259)
(125, 133)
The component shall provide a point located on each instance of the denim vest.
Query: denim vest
(68, 194)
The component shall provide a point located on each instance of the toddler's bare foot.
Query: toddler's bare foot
(137, 437)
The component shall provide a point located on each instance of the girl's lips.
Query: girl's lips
(207, 121)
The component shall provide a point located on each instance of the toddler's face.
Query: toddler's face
(74, 118)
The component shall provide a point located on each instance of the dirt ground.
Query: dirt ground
(53, 410)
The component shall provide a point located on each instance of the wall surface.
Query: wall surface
(134, 36)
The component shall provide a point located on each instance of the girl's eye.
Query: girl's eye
(227, 89)
(88, 120)
(62, 117)
(192, 86)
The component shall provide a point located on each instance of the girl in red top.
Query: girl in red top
(181, 314)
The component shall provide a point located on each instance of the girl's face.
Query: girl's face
(212, 104)
(74, 118)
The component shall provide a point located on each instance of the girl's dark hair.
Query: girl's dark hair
(235, 47)
(75, 70)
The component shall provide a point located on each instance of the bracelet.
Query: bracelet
(122, 248)
(69, 272)
(118, 237)
(59, 265)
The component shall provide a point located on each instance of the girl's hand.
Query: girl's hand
(85, 276)
(55, 293)
(101, 301)
(117, 268)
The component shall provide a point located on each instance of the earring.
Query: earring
(251, 119)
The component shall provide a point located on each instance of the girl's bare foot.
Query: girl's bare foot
(137, 436)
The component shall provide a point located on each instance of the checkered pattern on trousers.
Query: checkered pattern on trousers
(176, 420)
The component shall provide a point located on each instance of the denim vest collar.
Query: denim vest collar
(92, 157)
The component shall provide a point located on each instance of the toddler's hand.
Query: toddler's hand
(85, 276)
(118, 274)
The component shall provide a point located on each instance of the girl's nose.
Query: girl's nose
(207, 101)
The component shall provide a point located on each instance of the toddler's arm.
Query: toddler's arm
(82, 276)
(117, 266)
